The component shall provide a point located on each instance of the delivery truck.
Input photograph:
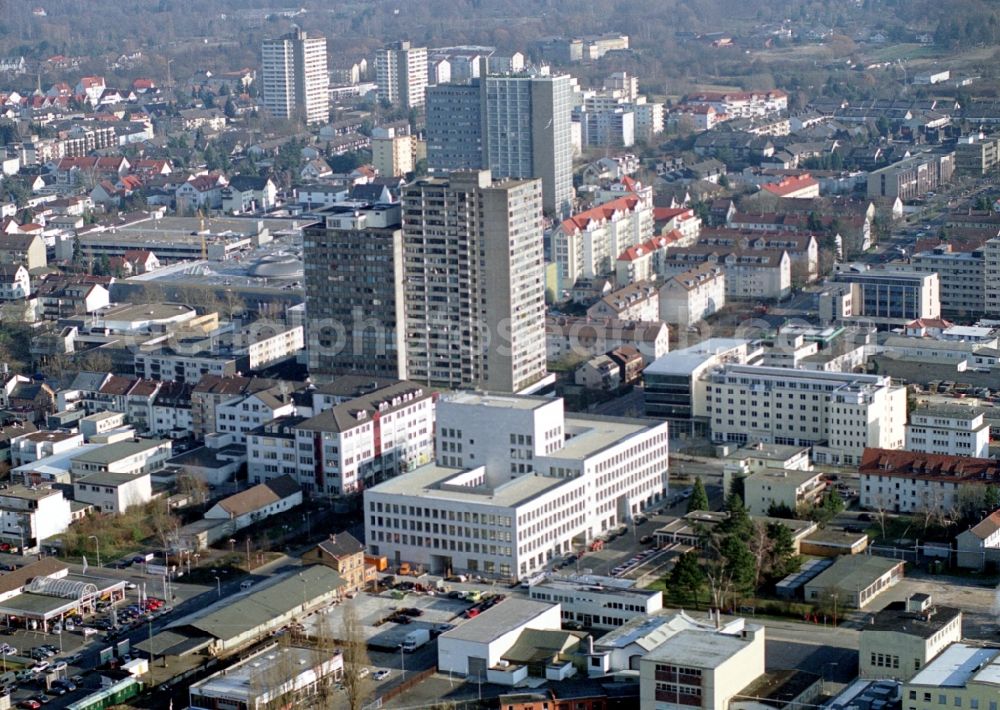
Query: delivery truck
(415, 639)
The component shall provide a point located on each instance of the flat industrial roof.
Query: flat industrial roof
(592, 434)
(270, 669)
(704, 649)
(109, 453)
(854, 572)
(956, 665)
(426, 482)
(686, 361)
(508, 615)
(522, 402)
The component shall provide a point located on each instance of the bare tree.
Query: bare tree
(760, 545)
(355, 650)
(192, 487)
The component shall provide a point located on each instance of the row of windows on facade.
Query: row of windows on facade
(942, 699)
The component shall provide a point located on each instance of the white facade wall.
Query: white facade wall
(495, 444)
(118, 498)
(840, 414)
(405, 439)
(596, 607)
(684, 306)
(240, 415)
(954, 436)
(454, 653)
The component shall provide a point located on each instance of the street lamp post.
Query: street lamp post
(97, 543)
(218, 585)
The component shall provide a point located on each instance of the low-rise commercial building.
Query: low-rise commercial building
(699, 668)
(853, 581)
(905, 636)
(113, 492)
(126, 457)
(257, 503)
(477, 645)
(980, 544)
(594, 605)
(791, 489)
(962, 676)
(291, 675)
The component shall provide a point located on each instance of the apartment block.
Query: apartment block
(401, 74)
(961, 277)
(838, 414)
(585, 337)
(516, 483)
(474, 290)
(953, 431)
(912, 481)
(31, 515)
(693, 295)
(353, 264)
(790, 488)
(349, 447)
(588, 244)
(912, 177)
(294, 78)
(991, 275)
(976, 155)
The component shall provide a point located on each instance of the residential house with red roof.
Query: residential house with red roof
(683, 220)
(900, 481)
(587, 244)
(794, 187)
(201, 192)
(90, 88)
(980, 544)
(642, 262)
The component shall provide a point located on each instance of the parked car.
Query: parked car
(381, 674)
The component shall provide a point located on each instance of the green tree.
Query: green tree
(738, 524)
(102, 266)
(229, 109)
(77, 258)
(740, 560)
(699, 498)
(687, 575)
(784, 561)
(780, 510)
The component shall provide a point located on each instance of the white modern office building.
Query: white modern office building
(837, 414)
(516, 484)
